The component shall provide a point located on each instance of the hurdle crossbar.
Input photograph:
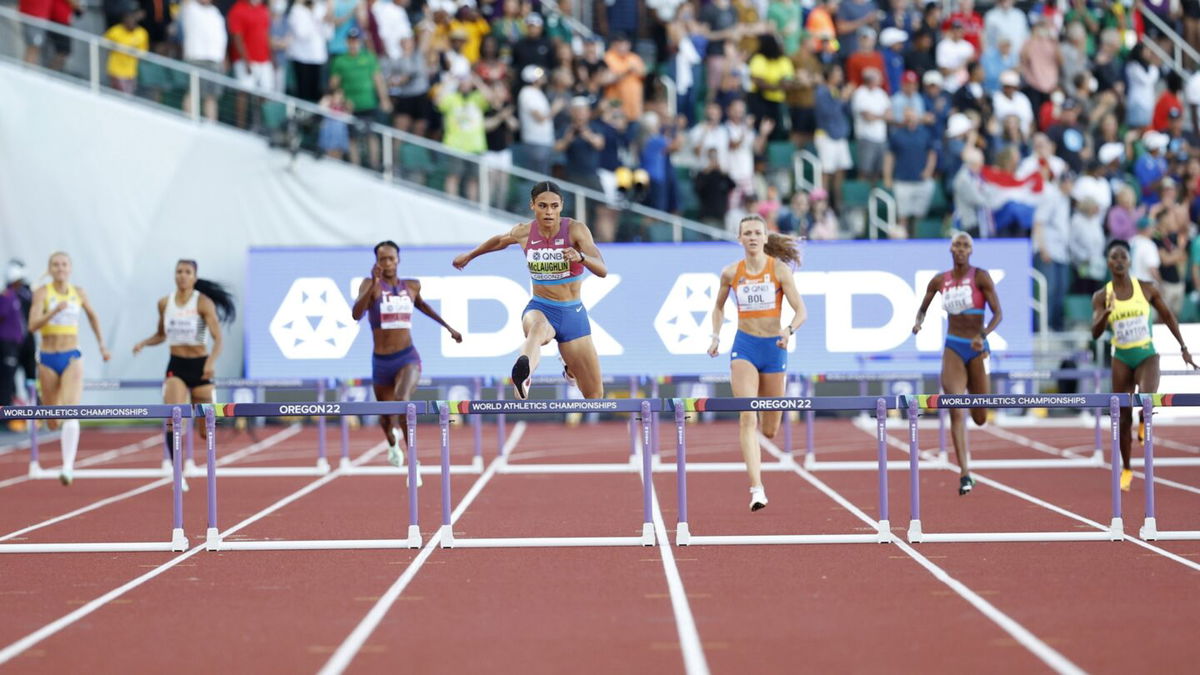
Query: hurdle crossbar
(178, 541)
(643, 407)
(916, 403)
(215, 541)
(683, 535)
(1148, 402)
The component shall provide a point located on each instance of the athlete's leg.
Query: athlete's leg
(978, 382)
(70, 390)
(538, 332)
(200, 395)
(744, 379)
(404, 388)
(1146, 375)
(175, 392)
(584, 365)
(385, 391)
(954, 381)
(771, 385)
(48, 389)
(1123, 382)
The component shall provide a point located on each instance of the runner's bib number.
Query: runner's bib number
(1130, 331)
(547, 264)
(395, 311)
(957, 299)
(756, 296)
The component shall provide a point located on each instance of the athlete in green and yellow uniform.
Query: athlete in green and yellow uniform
(1123, 306)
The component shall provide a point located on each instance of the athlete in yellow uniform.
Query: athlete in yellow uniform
(1123, 306)
(55, 314)
(758, 361)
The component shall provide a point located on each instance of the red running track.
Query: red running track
(781, 608)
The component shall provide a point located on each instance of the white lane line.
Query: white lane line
(273, 439)
(20, 646)
(136, 446)
(358, 637)
(1022, 635)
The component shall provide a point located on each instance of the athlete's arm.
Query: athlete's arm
(493, 244)
(160, 334)
(414, 287)
(1101, 308)
(1150, 292)
(368, 291)
(208, 314)
(935, 285)
(94, 322)
(585, 248)
(983, 281)
(718, 313)
(788, 283)
(37, 314)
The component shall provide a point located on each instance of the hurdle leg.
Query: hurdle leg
(683, 535)
(213, 536)
(787, 422)
(654, 422)
(500, 423)
(322, 460)
(647, 478)
(414, 530)
(477, 429)
(35, 465)
(1117, 528)
(447, 538)
(914, 475)
(166, 458)
(810, 419)
(179, 540)
(1098, 453)
(885, 525)
(633, 430)
(189, 466)
(1150, 525)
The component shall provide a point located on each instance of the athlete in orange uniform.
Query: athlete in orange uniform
(758, 360)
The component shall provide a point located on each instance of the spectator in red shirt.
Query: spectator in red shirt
(867, 56)
(250, 49)
(972, 24)
(34, 36)
(61, 12)
(1168, 101)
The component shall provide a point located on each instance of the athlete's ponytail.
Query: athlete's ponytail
(220, 296)
(784, 248)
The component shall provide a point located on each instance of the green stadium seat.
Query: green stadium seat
(274, 115)
(938, 205)
(929, 228)
(855, 193)
(779, 155)
(1078, 308)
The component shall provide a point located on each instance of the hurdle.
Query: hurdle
(643, 407)
(214, 541)
(683, 535)
(175, 413)
(916, 403)
(1148, 402)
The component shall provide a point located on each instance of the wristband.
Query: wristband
(581, 257)
(715, 336)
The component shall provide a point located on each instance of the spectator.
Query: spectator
(832, 112)
(744, 143)
(931, 20)
(621, 17)
(1010, 101)
(1092, 185)
(462, 103)
(626, 75)
(61, 12)
(660, 141)
(1107, 65)
(954, 52)
(771, 75)
(972, 96)
(616, 129)
(537, 122)
(1168, 101)
(971, 23)
(250, 35)
(123, 67)
(1073, 53)
(1051, 239)
(334, 136)
(491, 67)
(581, 142)
(784, 16)
(796, 218)
(721, 22)
(500, 125)
(872, 112)
(204, 45)
(1151, 167)
(557, 28)
(802, 96)
(473, 27)
(1171, 202)
(1004, 21)
(1191, 34)
(408, 85)
(1172, 256)
(309, 27)
(357, 73)
(1070, 139)
(710, 136)
(454, 64)
(590, 70)
(1088, 18)
(919, 56)
(348, 15)
(1123, 216)
(908, 170)
(1141, 77)
(12, 333)
(509, 28)
(998, 59)
(1043, 160)
(937, 102)
(960, 134)
(534, 48)
(902, 16)
(1086, 248)
(1040, 63)
(852, 16)
(892, 40)
(1144, 260)
(390, 26)
(971, 204)
(865, 57)
(907, 97)
(157, 18)
(824, 220)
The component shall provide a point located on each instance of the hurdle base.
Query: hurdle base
(313, 545)
(970, 537)
(446, 538)
(647, 534)
(683, 536)
(809, 461)
(915, 536)
(1177, 535)
(345, 464)
(774, 539)
(35, 470)
(179, 540)
(532, 469)
(167, 467)
(866, 465)
(189, 467)
(477, 463)
(212, 539)
(323, 465)
(885, 532)
(91, 547)
(414, 536)
(1149, 529)
(1116, 530)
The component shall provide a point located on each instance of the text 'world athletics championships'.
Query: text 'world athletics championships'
(519, 406)
(1033, 401)
(76, 412)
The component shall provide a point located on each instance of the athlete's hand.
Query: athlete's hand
(712, 349)
(1187, 358)
(104, 354)
(209, 370)
(572, 255)
(784, 336)
(916, 328)
(376, 274)
(455, 335)
(461, 261)
(977, 343)
(138, 348)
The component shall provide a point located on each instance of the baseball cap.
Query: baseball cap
(1010, 78)
(957, 125)
(933, 77)
(354, 33)
(909, 77)
(531, 73)
(1155, 141)
(892, 36)
(534, 19)
(1110, 152)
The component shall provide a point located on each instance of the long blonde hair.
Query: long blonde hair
(778, 246)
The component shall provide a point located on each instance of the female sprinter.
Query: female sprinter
(55, 313)
(388, 301)
(557, 251)
(1123, 306)
(186, 320)
(965, 290)
(758, 360)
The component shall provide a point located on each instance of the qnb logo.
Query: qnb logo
(313, 321)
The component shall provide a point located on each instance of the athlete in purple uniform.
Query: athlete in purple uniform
(388, 301)
(557, 251)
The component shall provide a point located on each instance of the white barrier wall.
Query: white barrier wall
(127, 190)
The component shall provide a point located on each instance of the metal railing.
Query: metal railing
(293, 124)
(800, 160)
(1180, 47)
(874, 222)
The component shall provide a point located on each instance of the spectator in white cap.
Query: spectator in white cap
(971, 204)
(1004, 20)
(536, 116)
(893, 40)
(938, 103)
(866, 56)
(954, 52)
(1151, 167)
(1010, 101)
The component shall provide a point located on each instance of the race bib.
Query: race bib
(756, 296)
(395, 311)
(182, 329)
(957, 299)
(547, 264)
(1131, 330)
